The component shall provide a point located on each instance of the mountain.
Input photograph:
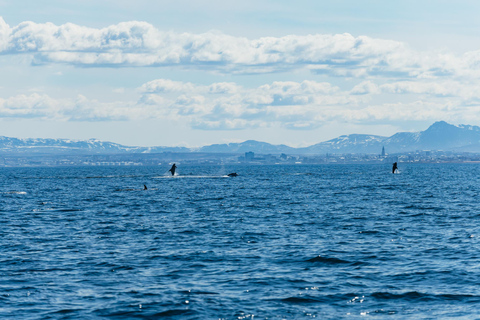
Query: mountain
(439, 136)
(249, 145)
(353, 143)
(66, 146)
(442, 135)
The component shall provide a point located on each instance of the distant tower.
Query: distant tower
(249, 156)
(383, 151)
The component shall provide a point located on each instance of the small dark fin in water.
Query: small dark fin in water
(145, 187)
(233, 174)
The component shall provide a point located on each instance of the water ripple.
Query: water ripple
(289, 242)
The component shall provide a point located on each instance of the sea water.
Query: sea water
(276, 242)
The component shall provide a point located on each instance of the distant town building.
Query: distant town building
(383, 151)
(249, 156)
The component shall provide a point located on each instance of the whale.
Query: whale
(233, 174)
(394, 168)
(172, 169)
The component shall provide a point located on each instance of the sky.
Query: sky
(194, 73)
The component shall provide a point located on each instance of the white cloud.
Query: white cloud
(140, 44)
(165, 85)
(224, 87)
(465, 91)
(31, 106)
(418, 87)
(4, 35)
(365, 87)
(294, 105)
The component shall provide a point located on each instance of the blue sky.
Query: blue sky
(193, 73)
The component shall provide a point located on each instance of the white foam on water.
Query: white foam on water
(189, 177)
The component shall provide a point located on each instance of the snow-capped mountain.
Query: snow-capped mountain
(439, 136)
(66, 146)
(353, 143)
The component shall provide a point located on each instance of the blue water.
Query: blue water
(276, 242)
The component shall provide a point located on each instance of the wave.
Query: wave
(412, 296)
(199, 292)
(418, 296)
(300, 300)
(64, 210)
(174, 312)
(66, 311)
(210, 199)
(329, 298)
(142, 314)
(326, 260)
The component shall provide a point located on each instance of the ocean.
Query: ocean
(276, 242)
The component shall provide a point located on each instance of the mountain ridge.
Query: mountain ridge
(439, 136)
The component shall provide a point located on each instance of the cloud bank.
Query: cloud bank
(387, 81)
(140, 44)
(294, 105)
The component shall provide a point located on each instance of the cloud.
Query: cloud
(417, 87)
(294, 105)
(226, 105)
(309, 104)
(140, 44)
(365, 87)
(165, 85)
(31, 106)
(4, 35)
(465, 91)
(223, 87)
